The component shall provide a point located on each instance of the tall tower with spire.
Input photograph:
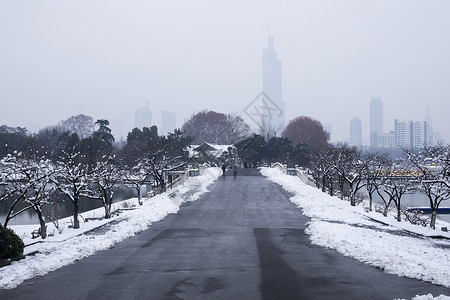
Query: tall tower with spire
(272, 87)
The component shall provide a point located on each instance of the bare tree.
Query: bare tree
(136, 177)
(47, 140)
(375, 164)
(266, 129)
(379, 184)
(38, 174)
(357, 181)
(167, 154)
(80, 124)
(398, 182)
(432, 173)
(105, 176)
(323, 167)
(236, 131)
(344, 159)
(13, 185)
(28, 181)
(72, 180)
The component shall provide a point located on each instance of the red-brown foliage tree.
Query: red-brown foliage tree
(306, 130)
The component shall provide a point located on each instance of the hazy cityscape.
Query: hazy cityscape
(225, 149)
(413, 134)
(336, 56)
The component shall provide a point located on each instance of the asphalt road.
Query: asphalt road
(242, 240)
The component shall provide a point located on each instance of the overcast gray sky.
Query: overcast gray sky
(105, 58)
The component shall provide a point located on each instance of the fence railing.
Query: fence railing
(176, 178)
(301, 173)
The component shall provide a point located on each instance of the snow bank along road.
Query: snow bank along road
(242, 240)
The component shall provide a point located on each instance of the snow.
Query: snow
(430, 296)
(352, 232)
(217, 152)
(70, 245)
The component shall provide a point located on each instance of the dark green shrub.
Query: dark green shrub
(11, 245)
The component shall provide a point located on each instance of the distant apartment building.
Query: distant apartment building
(143, 117)
(400, 133)
(385, 140)
(355, 132)
(169, 122)
(412, 134)
(376, 120)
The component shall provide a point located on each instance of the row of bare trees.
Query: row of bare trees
(32, 183)
(426, 171)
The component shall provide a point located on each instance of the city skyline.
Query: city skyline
(411, 133)
(187, 57)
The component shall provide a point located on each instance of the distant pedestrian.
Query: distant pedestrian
(235, 170)
(223, 170)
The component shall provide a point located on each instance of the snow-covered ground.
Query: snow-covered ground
(68, 245)
(353, 232)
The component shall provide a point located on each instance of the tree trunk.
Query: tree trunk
(138, 188)
(386, 207)
(370, 201)
(331, 187)
(106, 204)
(323, 184)
(43, 226)
(352, 195)
(163, 186)
(76, 222)
(110, 197)
(399, 215)
(433, 219)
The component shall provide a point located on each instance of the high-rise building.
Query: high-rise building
(386, 140)
(274, 114)
(400, 133)
(355, 132)
(143, 117)
(169, 122)
(411, 134)
(376, 120)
